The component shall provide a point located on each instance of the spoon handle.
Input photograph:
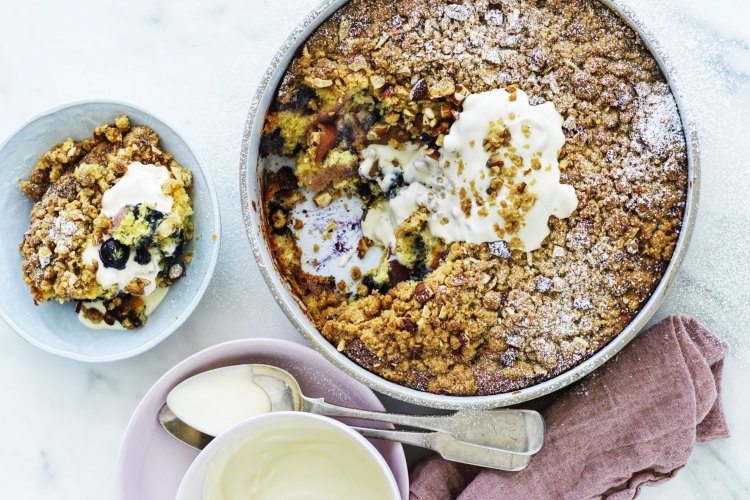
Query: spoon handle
(451, 449)
(510, 430)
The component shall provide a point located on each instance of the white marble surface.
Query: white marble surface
(196, 63)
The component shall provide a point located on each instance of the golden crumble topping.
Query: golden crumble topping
(67, 185)
(468, 319)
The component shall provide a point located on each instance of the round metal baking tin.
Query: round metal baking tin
(292, 307)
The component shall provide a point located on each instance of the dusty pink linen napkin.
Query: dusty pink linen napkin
(635, 421)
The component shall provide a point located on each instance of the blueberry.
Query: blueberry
(429, 141)
(346, 134)
(301, 99)
(369, 282)
(271, 144)
(142, 255)
(154, 217)
(114, 254)
(367, 118)
(419, 273)
(396, 182)
(397, 273)
(364, 190)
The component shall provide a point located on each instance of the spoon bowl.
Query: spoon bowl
(282, 388)
(283, 392)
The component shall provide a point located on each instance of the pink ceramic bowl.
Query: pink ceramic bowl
(152, 463)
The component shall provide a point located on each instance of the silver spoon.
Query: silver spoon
(446, 445)
(519, 432)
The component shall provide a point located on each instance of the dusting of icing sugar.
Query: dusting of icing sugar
(63, 231)
(499, 249)
(712, 284)
(659, 123)
(458, 12)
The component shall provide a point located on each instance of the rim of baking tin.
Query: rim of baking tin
(292, 307)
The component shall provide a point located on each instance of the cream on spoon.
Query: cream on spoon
(214, 401)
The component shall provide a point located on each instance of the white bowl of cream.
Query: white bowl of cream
(289, 455)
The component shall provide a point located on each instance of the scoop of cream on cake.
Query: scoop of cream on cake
(140, 184)
(497, 177)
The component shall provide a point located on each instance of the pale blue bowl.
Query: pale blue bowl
(55, 327)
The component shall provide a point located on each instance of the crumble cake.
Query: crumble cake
(109, 226)
(401, 260)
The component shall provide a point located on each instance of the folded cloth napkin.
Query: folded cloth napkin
(635, 421)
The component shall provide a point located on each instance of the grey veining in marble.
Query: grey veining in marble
(196, 63)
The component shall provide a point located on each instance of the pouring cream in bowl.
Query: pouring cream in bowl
(289, 455)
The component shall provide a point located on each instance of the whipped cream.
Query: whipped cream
(454, 189)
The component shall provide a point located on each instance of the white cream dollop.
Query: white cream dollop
(140, 184)
(109, 277)
(535, 135)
